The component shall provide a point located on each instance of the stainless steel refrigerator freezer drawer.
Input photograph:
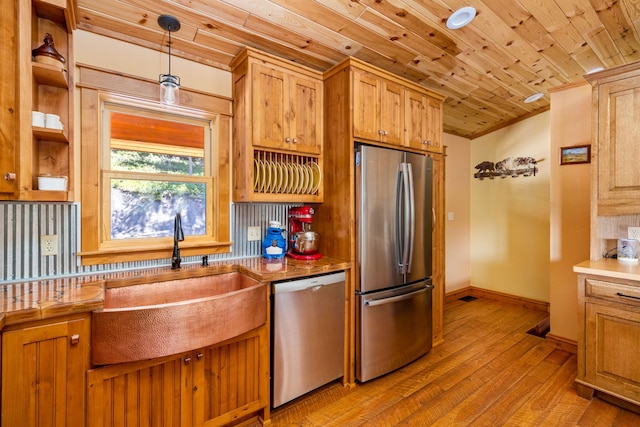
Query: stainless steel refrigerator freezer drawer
(308, 335)
(395, 328)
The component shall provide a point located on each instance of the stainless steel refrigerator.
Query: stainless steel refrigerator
(393, 259)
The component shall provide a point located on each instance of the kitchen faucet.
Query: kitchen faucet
(178, 236)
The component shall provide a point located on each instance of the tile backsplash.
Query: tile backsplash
(24, 222)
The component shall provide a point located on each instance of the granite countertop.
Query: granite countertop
(610, 268)
(43, 299)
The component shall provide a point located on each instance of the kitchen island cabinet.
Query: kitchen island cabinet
(609, 329)
(43, 370)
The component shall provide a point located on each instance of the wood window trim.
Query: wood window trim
(93, 82)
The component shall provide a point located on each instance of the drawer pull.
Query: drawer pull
(620, 294)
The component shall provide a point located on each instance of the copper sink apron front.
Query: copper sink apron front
(164, 318)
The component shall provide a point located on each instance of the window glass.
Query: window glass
(155, 165)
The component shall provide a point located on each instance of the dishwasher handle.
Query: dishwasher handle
(381, 301)
(312, 283)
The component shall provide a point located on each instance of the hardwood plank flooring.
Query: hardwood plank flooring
(488, 372)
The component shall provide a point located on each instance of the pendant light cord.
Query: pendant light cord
(169, 51)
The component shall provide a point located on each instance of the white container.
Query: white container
(628, 250)
(52, 121)
(37, 119)
(52, 183)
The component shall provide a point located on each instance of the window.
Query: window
(141, 164)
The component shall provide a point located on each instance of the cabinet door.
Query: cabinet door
(304, 115)
(269, 107)
(391, 113)
(43, 375)
(434, 126)
(618, 148)
(232, 380)
(154, 392)
(8, 89)
(415, 116)
(612, 338)
(366, 106)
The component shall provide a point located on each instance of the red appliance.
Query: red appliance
(303, 243)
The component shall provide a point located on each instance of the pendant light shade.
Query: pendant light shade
(169, 84)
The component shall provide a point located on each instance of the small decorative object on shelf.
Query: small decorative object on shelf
(47, 53)
(513, 167)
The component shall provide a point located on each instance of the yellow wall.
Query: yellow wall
(570, 204)
(457, 196)
(112, 54)
(510, 216)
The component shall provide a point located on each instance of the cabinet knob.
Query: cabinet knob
(295, 140)
(10, 176)
(425, 142)
(187, 360)
(287, 139)
(199, 356)
(75, 339)
(380, 132)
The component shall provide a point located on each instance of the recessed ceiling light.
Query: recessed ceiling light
(533, 98)
(461, 17)
(595, 70)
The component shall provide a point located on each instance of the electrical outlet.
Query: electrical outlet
(253, 233)
(633, 233)
(48, 244)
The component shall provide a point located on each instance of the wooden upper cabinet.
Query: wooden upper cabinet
(423, 121)
(615, 149)
(416, 123)
(277, 130)
(287, 110)
(43, 369)
(29, 151)
(378, 112)
(434, 125)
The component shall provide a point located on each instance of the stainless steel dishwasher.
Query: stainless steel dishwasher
(308, 335)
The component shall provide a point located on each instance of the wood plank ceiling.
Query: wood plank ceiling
(513, 48)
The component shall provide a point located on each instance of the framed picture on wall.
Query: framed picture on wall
(575, 154)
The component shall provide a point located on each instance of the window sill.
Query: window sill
(143, 253)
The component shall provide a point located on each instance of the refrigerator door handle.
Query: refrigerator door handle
(412, 218)
(405, 224)
(382, 301)
(398, 222)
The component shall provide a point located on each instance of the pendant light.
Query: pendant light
(169, 84)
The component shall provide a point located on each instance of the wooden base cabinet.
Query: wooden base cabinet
(43, 369)
(609, 337)
(214, 386)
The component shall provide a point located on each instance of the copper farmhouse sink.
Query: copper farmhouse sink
(163, 318)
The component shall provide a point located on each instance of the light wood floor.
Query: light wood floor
(488, 372)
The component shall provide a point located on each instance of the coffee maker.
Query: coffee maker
(303, 243)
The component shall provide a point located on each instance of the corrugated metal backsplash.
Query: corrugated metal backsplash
(23, 223)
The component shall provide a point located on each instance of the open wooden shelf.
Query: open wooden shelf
(46, 74)
(46, 134)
